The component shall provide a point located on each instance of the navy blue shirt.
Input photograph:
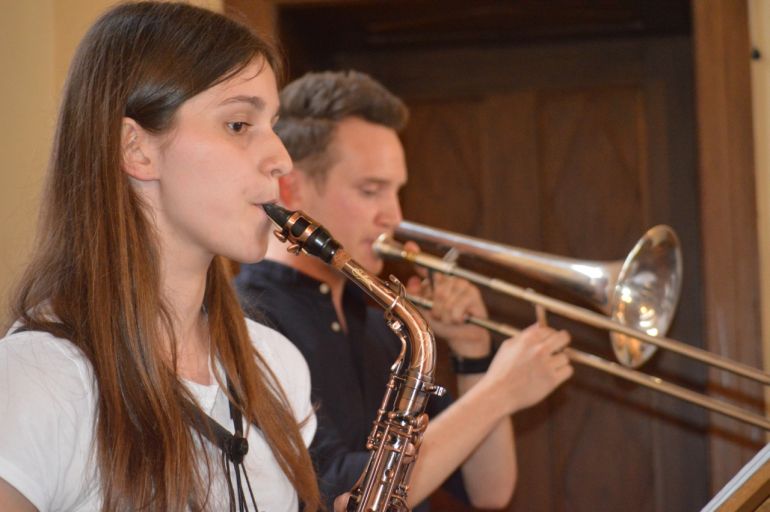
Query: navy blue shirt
(348, 370)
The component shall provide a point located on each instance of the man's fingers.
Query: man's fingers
(456, 299)
(560, 360)
(564, 373)
(557, 341)
(414, 285)
(411, 246)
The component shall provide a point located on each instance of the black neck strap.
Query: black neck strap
(234, 448)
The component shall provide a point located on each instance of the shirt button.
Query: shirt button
(336, 326)
(324, 288)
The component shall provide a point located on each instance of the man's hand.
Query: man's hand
(528, 367)
(454, 300)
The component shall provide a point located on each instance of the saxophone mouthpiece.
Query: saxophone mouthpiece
(302, 233)
(278, 214)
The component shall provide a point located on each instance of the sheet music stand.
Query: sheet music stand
(748, 490)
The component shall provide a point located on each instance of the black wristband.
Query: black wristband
(467, 365)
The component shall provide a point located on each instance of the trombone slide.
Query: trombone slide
(618, 370)
(385, 246)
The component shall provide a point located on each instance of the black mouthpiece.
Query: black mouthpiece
(279, 214)
(315, 241)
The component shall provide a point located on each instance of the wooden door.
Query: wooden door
(573, 150)
(567, 144)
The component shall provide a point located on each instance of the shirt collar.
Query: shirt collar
(284, 275)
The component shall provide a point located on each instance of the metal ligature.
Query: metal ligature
(400, 423)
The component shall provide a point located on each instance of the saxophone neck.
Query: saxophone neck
(402, 316)
(304, 234)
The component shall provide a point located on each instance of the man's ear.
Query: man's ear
(135, 148)
(290, 189)
(294, 188)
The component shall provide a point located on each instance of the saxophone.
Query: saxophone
(401, 420)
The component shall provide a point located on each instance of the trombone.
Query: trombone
(640, 294)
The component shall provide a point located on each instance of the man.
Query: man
(341, 132)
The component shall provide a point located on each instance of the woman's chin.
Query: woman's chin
(249, 255)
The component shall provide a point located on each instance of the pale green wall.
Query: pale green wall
(37, 40)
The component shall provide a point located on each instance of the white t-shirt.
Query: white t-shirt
(47, 405)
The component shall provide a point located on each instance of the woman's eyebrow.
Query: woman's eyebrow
(255, 101)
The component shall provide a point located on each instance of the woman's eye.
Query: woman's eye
(237, 126)
(368, 192)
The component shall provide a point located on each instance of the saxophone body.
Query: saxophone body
(401, 420)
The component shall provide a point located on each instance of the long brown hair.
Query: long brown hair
(96, 266)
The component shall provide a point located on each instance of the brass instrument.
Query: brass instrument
(618, 281)
(400, 423)
(640, 292)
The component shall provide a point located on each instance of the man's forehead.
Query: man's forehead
(358, 175)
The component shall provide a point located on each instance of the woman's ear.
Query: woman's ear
(135, 148)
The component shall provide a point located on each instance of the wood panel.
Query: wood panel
(567, 170)
(376, 24)
(729, 218)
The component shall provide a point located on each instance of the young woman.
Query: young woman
(129, 339)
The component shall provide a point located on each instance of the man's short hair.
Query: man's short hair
(313, 105)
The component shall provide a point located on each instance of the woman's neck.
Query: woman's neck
(193, 351)
(183, 288)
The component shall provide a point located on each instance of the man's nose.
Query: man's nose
(391, 214)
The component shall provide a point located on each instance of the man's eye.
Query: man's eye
(237, 126)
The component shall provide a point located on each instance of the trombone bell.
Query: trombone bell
(645, 293)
